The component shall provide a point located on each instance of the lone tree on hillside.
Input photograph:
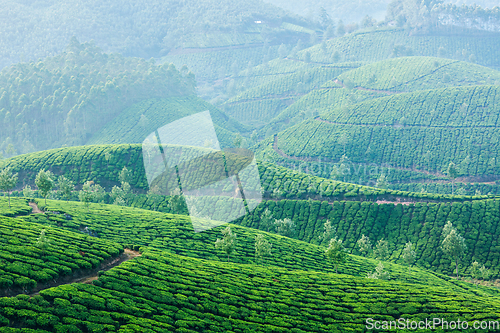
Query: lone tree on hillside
(86, 194)
(409, 255)
(125, 176)
(343, 140)
(285, 227)
(45, 182)
(262, 247)
(452, 173)
(364, 245)
(227, 243)
(336, 252)
(381, 250)
(329, 232)
(382, 182)
(66, 187)
(266, 219)
(42, 242)
(453, 243)
(474, 271)
(380, 273)
(8, 181)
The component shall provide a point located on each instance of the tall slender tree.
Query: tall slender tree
(409, 255)
(453, 244)
(452, 173)
(227, 243)
(336, 252)
(65, 187)
(8, 181)
(45, 182)
(262, 247)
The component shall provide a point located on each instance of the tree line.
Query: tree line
(50, 186)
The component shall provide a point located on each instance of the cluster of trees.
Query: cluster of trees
(46, 183)
(429, 13)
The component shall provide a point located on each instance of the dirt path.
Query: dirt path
(337, 81)
(35, 210)
(91, 275)
(398, 125)
(395, 202)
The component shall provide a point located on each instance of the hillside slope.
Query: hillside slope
(135, 123)
(383, 78)
(26, 262)
(164, 292)
(421, 132)
(260, 104)
(134, 227)
(103, 163)
(149, 29)
(383, 43)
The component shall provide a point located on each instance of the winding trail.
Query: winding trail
(35, 210)
(87, 276)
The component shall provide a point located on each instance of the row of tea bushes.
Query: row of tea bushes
(161, 292)
(31, 253)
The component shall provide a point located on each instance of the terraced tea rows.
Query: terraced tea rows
(406, 131)
(136, 228)
(31, 256)
(163, 292)
(398, 223)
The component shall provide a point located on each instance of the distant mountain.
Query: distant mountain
(36, 29)
(347, 11)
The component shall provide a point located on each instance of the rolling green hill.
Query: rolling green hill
(379, 79)
(135, 123)
(383, 43)
(261, 104)
(85, 96)
(398, 223)
(102, 164)
(164, 292)
(179, 282)
(25, 262)
(417, 132)
(406, 74)
(353, 209)
(134, 227)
